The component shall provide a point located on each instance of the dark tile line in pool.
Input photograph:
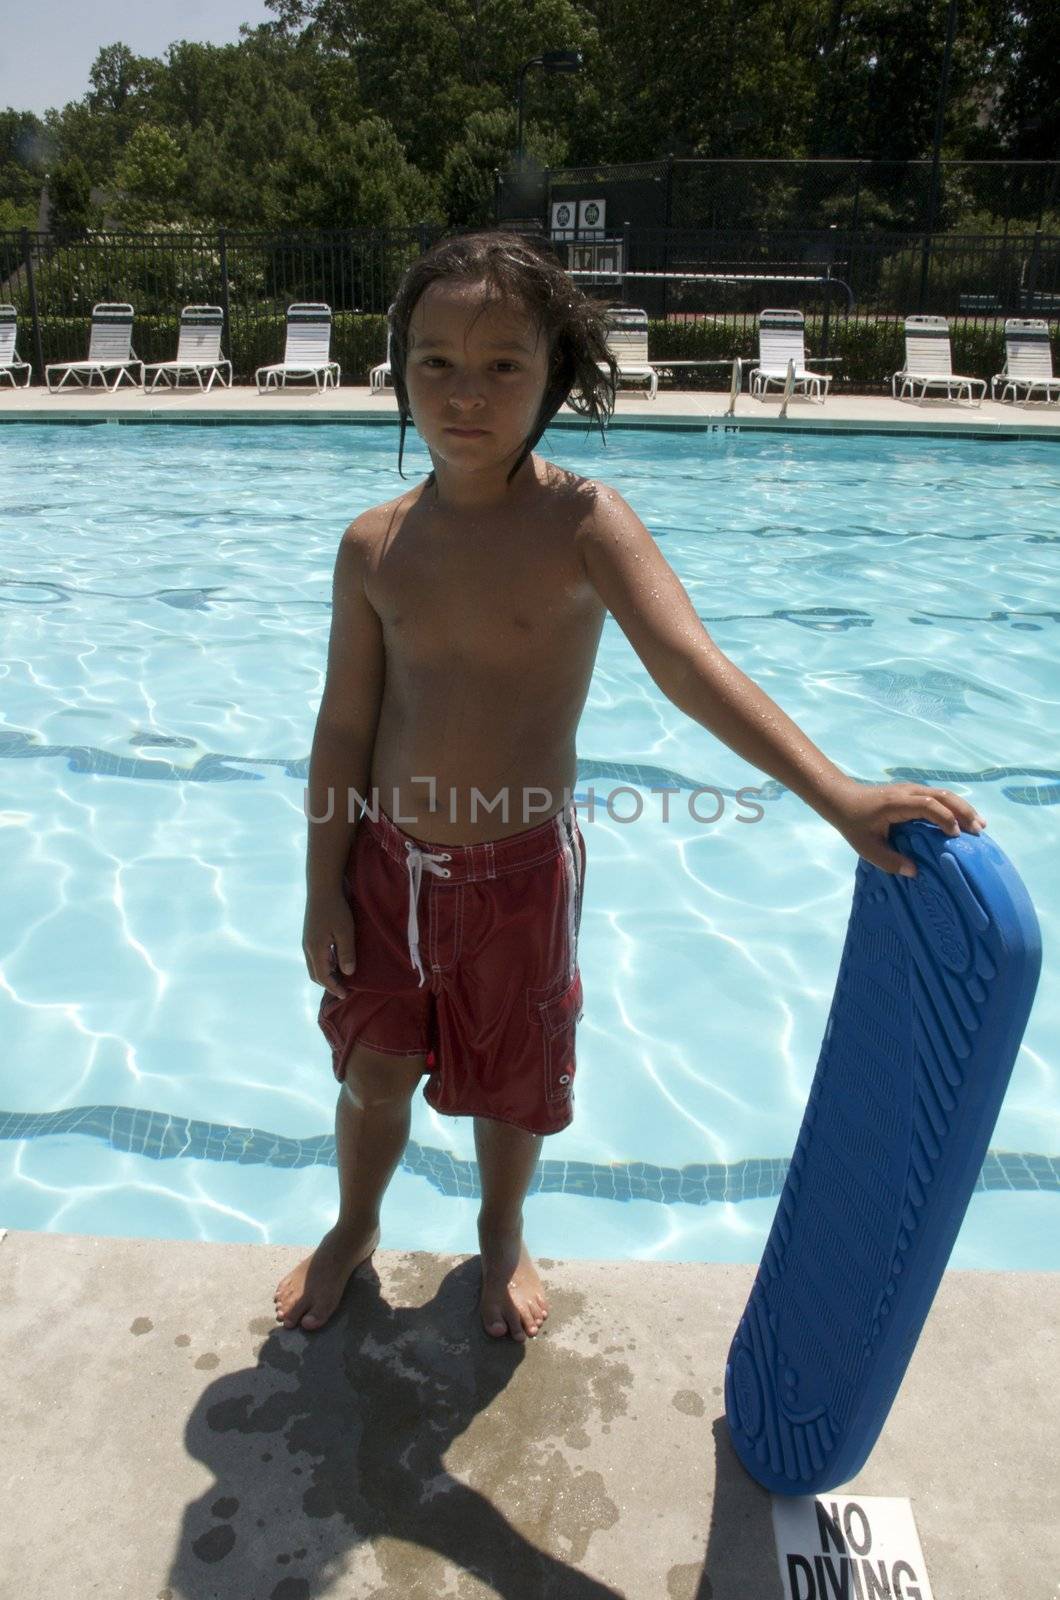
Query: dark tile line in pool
(822, 427)
(219, 767)
(160, 1137)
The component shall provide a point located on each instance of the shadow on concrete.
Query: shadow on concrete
(335, 1441)
(741, 1560)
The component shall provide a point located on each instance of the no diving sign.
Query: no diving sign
(831, 1548)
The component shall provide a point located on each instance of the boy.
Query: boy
(465, 624)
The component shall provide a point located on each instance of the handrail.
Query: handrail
(735, 385)
(789, 388)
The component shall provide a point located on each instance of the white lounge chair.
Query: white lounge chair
(381, 375)
(10, 365)
(1028, 361)
(109, 350)
(627, 340)
(198, 351)
(928, 362)
(782, 340)
(307, 352)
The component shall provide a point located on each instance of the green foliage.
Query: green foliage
(148, 178)
(23, 153)
(345, 111)
(69, 190)
(468, 176)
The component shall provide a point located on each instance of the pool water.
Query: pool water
(165, 601)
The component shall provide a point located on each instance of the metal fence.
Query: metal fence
(703, 287)
(866, 276)
(894, 196)
(54, 284)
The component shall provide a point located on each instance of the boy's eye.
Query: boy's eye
(512, 366)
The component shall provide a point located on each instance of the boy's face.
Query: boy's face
(474, 366)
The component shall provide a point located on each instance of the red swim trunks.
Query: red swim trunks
(493, 929)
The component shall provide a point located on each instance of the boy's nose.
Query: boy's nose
(466, 399)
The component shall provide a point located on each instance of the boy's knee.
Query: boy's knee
(373, 1078)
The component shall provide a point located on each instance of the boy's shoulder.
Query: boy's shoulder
(592, 495)
(368, 525)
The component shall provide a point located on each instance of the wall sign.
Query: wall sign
(564, 218)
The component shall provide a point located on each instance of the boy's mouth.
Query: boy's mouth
(467, 433)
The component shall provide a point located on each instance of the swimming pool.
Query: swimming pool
(165, 597)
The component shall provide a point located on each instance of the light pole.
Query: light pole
(548, 61)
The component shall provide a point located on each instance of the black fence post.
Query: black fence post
(31, 284)
(829, 263)
(669, 226)
(1030, 282)
(626, 230)
(225, 306)
(496, 196)
(421, 230)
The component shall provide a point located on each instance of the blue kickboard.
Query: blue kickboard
(935, 986)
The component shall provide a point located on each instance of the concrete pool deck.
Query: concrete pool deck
(167, 1440)
(671, 408)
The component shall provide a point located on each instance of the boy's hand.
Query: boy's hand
(328, 942)
(863, 814)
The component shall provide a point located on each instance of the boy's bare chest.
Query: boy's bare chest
(437, 585)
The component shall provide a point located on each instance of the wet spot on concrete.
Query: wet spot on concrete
(141, 1325)
(164, 1594)
(279, 1356)
(207, 1362)
(214, 1545)
(261, 1325)
(300, 1555)
(266, 1455)
(227, 1506)
(688, 1401)
(688, 1582)
(418, 1435)
(716, 1389)
(182, 1339)
(232, 1414)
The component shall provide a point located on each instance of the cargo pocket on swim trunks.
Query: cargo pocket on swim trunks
(557, 1016)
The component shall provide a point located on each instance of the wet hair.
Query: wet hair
(526, 269)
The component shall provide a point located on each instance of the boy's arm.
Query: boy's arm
(341, 756)
(650, 605)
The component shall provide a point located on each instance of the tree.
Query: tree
(70, 197)
(353, 178)
(467, 181)
(23, 156)
(149, 178)
(428, 67)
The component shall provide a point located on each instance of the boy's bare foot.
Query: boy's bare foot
(513, 1299)
(309, 1294)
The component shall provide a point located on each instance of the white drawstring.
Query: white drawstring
(416, 859)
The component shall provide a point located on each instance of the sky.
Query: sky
(49, 45)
